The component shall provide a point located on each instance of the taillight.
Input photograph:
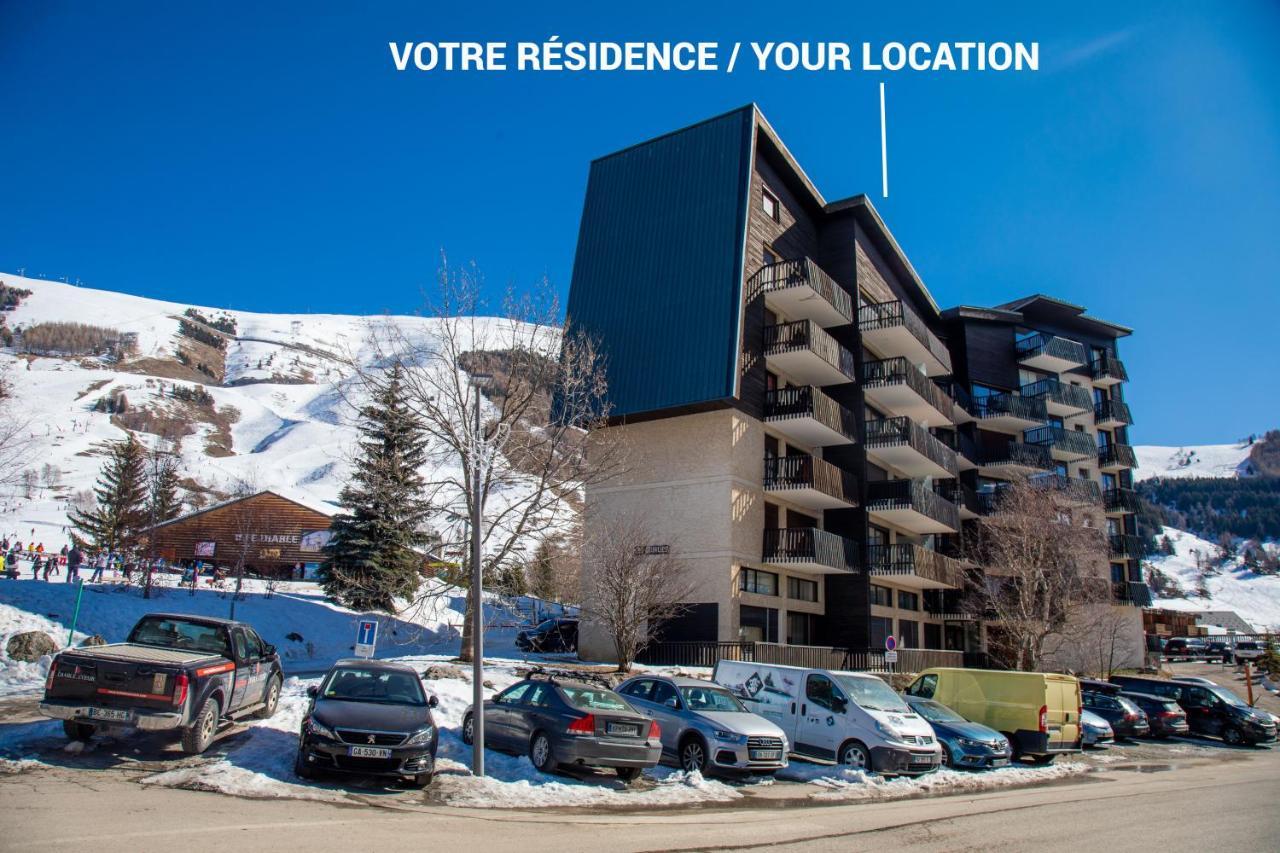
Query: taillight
(1044, 719)
(53, 670)
(1131, 716)
(180, 685)
(655, 733)
(583, 725)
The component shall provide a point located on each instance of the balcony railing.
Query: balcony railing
(806, 335)
(889, 432)
(1015, 454)
(807, 472)
(1061, 394)
(1063, 442)
(963, 445)
(1052, 347)
(1117, 456)
(1107, 367)
(899, 371)
(889, 495)
(1112, 411)
(907, 559)
(1009, 405)
(1121, 500)
(784, 545)
(785, 275)
(953, 491)
(958, 393)
(951, 605)
(1076, 489)
(805, 401)
(1129, 547)
(1131, 592)
(875, 316)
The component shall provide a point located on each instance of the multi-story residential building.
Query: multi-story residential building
(798, 425)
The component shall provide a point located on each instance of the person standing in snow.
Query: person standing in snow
(36, 565)
(50, 565)
(74, 558)
(64, 550)
(99, 566)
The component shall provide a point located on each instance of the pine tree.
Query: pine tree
(542, 573)
(374, 555)
(162, 480)
(120, 512)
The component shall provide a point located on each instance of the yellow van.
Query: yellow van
(1039, 712)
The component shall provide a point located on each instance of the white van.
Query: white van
(851, 718)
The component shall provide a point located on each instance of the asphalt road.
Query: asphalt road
(1224, 804)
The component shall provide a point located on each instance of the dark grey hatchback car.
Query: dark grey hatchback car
(567, 722)
(370, 718)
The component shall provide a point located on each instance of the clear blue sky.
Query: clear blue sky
(270, 158)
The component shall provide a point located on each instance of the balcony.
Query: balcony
(1127, 547)
(810, 482)
(966, 450)
(897, 386)
(801, 289)
(804, 352)
(1076, 490)
(810, 549)
(911, 505)
(1111, 414)
(1051, 353)
(1060, 398)
(1009, 412)
(903, 445)
(1109, 370)
(808, 417)
(913, 566)
(951, 605)
(965, 499)
(1115, 457)
(1132, 593)
(1121, 500)
(958, 394)
(1065, 445)
(893, 328)
(1016, 459)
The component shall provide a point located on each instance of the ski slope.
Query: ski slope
(1206, 460)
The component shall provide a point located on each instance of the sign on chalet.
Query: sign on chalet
(270, 533)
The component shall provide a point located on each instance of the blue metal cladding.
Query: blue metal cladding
(658, 273)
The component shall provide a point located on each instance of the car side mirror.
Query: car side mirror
(313, 691)
(433, 702)
(673, 702)
(268, 651)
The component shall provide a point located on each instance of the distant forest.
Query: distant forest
(1247, 507)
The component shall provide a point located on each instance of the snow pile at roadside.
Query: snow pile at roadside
(25, 676)
(842, 784)
(538, 790)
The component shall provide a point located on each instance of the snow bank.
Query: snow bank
(856, 785)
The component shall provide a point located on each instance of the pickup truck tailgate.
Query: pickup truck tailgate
(121, 674)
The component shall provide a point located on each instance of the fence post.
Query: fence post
(75, 617)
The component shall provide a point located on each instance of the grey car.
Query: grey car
(705, 727)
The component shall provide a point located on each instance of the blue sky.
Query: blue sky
(269, 157)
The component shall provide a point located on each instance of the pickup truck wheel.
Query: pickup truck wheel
(197, 736)
(78, 731)
(272, 700)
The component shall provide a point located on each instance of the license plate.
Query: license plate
(999, 762)
(116, 714)
(368, 752)
(766, 754)
(622, 729)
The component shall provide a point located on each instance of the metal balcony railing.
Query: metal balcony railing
(951, 605)
(884, 315)
(1107, 366)
(953, 491)
(808, 335)
(907, 559)
(899, 371)
(1062, 393)
(1017, 454)
(962, 445)
(1121, 500)
(1073, 488)
(915, 495)
(810, 545)
(806, 401)
(1071, 441)
(1132, 592)
(800, 273)
(806, 472)
(957, 392)
(996, 405)
(1127, 546)
(1053, 346)
(1112, 410)
(889, 432)
(1117, 456)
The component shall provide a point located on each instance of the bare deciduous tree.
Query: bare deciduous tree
(628, 591)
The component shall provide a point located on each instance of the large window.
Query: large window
(909, 634)
(757, 624)
(932, 635)
(881, 595)
(908, 601)
(800, 589)
(757, 581)
(769, 204)
(881, 627)
(800, 629)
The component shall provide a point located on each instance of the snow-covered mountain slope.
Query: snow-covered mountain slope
(281, 416)
(1208, 460)
(1231, 586)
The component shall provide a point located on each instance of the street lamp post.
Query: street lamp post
(477, 599)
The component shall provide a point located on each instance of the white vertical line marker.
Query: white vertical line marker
(884, 147)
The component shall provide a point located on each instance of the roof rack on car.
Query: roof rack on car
(554, 675)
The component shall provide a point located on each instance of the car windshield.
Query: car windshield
(873, 694)
(1230, 698)
(167, 633)
(594, 698)
(386, 687)
(1247, 645)
(935, 712)
(710, 699)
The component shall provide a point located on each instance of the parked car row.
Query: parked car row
(1228, 649)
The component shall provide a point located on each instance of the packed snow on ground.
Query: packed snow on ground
(1255, 597)
(1206, 460)
(857, 785)
(22, 676)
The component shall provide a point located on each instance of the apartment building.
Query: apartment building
(798, 409)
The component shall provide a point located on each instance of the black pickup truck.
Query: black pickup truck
(188, 673)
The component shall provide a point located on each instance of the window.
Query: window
(881, 627)
(909, 634)
(757, 581)
(877, 535)
(639, 689)
(513, 695)
(664, 694)
(800, 629)
(769, 204)
(353, 684)
(924, 686)
(769, 256)
(800, 589)
(770, 516)
(908, 601)
(932, 635)
(757, 624)
(822, 692)
(594, 698)
(252, 646)
(540, 696)
(881, 595)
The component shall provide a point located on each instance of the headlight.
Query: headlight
(973, 744)
(421, 736)
(316, 727)
(888, 731)
(729, 737)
